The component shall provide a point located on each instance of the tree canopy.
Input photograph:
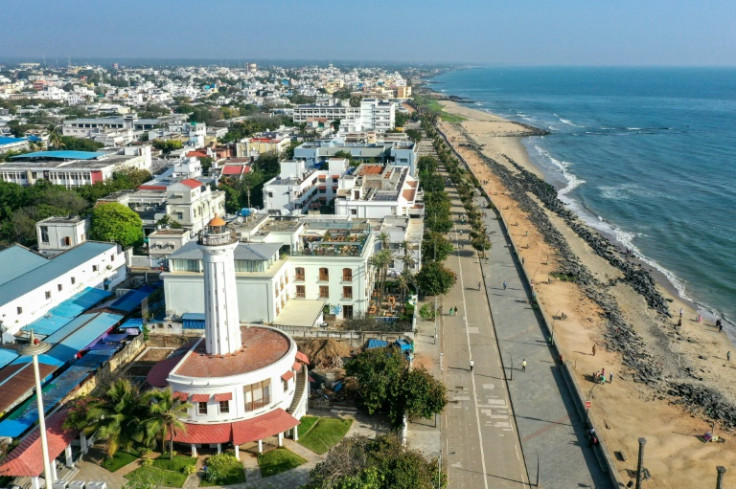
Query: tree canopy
(434, 278)
(118, 223)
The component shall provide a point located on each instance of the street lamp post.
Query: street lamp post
(35, 348)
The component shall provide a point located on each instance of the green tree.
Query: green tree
(435, 247)
(168, 145)
(164, 416)
(79, 144)
(423, 395)
(435, 279)
(379, 373)
(118, 223)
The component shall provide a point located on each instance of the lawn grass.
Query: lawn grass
(235, 475)
(277, 461)
(175, 464)
(435, 107)
(118, 461)
(158, 477)
(325, 433)
(306, 423)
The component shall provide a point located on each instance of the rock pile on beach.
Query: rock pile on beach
(702, 397)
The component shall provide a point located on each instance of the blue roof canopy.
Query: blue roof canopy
(80, 333)
(7, 356)
(62, 314)
(11, 140)
(132, 299)
(60, 155)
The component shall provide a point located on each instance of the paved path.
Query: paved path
(480, 443)
(551, 431)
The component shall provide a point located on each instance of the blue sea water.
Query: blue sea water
(646, 155)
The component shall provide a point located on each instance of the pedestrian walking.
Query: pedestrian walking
(479, 286)
(472, 364)
(505, 285)
(593, 349)
(610, 378)
(455, 310)
(719, 325)
(523, 365)
(681, 312)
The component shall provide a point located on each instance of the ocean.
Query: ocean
(645, 155)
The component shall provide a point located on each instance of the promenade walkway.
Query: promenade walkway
(551, 431)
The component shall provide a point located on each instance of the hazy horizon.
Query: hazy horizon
(535, 33)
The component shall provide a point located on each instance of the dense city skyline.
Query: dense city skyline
(530, 33)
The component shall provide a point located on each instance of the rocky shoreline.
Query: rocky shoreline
(684, 385)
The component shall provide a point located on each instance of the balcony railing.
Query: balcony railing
(210, 239)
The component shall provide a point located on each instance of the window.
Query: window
(48, 294)
(257, 395)
(299, 271)
(74, 280)
(20, 310)
(59, 287)
(202, 407)
(224, 407)
(324, 292)
(347, 292)
(301, 292)
(112, 257)
(66, 241)
(354, 212)
(324, 274)
(45, 234)
(347, 274)
(95, 268)
(347, 312)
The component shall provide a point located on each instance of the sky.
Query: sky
(518, 32)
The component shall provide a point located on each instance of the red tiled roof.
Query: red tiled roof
(200, 397)
(225, 396)
(412, 184)
(371, 170)
(191, 183)
(204, 433)
(232, 169)
(263, 426)
(288, 375)
(182, 396)
(409, 194)
(198, 154)
(160, 372)
(26, 460)
(302, 358)
(239, 432)
(296, 366)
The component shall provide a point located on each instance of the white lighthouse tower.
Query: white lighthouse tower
(222, 321)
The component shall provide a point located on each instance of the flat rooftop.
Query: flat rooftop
(261, 347)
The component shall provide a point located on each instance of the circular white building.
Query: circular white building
(245, 384)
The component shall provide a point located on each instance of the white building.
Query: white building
(245, 384)
(372, 115)
(327, 265)
(73, 168)
(296, 190)
(58, 234)
(30, 285)
(192, 203)
(377, 191)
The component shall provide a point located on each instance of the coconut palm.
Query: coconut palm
(115, 417)
(164, 416)
(55, 138)
(380, 261)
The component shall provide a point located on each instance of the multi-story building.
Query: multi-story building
(386, 150)
(73, 168)
(264, 142)
(372, 115)
(58, 234)
(30, 285)
(376, 191)
(327, 268)
(296, 190)
(192, 203)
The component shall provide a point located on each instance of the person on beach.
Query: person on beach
(610, 378)
(719, 325)
(472, 364)
(523, 365)
(593, 349)
(504, 285)
(479, 286)
(728, 356)
(681, 312)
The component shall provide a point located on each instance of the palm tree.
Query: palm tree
(115, 417)
(55, 138)
(380, 261)
(164, 416)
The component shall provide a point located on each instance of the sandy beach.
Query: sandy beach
(652, 359)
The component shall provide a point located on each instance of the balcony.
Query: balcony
(218, 239)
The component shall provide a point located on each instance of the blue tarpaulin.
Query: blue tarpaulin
(192, 320)
(377, 344)
(62, 314)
